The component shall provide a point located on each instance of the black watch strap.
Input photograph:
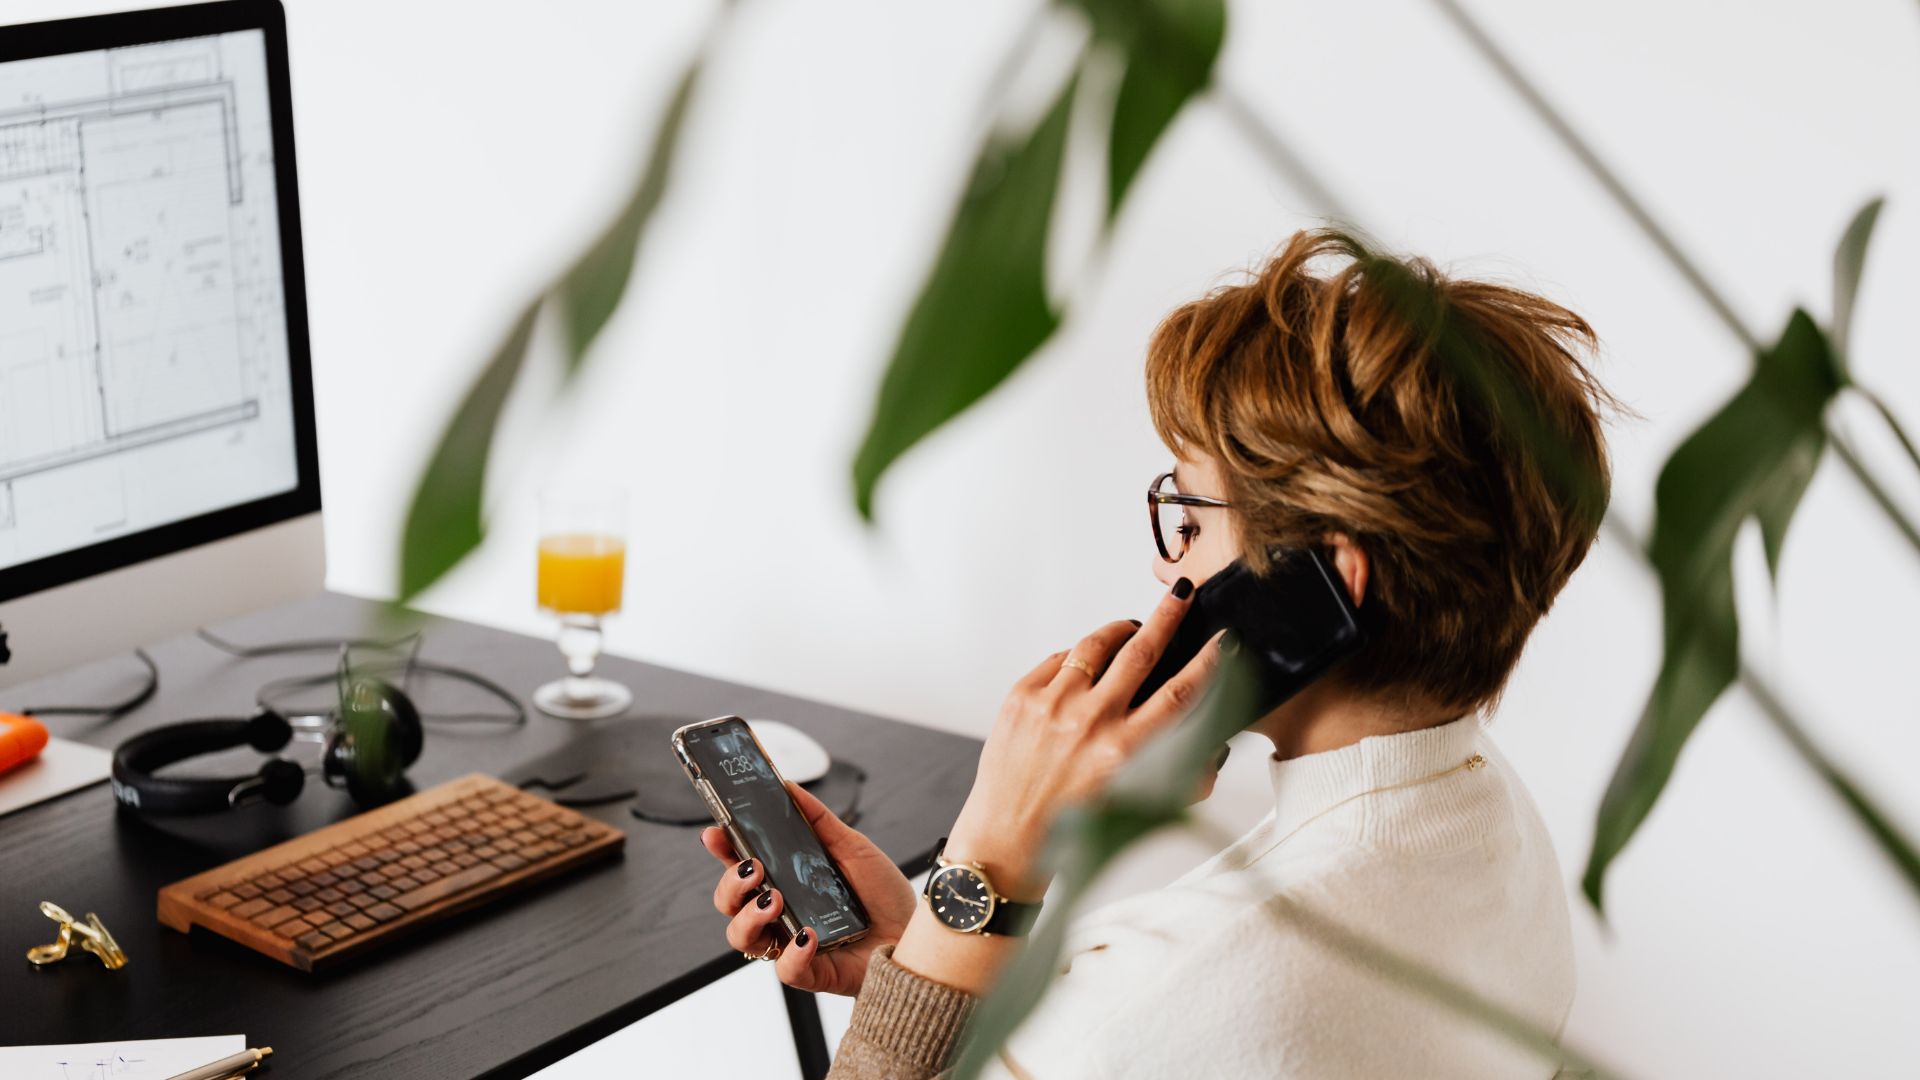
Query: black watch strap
(1011, 919)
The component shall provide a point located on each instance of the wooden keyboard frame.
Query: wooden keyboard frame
(181, 908)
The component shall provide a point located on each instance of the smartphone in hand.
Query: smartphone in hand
(749, 799)
(1293, 624)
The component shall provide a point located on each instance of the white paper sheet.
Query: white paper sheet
(148, 1059)
(60, 768)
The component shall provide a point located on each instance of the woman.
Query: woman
(1440, 440)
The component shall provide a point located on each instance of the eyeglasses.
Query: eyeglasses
(1166, 506)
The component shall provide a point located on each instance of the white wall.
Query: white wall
(453, 155)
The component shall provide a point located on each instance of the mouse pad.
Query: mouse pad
(631, 760)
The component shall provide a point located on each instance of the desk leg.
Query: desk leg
(809, 1038)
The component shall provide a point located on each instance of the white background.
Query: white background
(452, 156)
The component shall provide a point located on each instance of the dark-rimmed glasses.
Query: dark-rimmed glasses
(1166, 506)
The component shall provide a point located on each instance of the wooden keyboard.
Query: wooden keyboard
(359, 883)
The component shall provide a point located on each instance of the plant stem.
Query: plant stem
(1632, 206)
(1260, 134)
(1879, 494)
(1885, 833)
(1421, 979)
(1294, 169)
(1651, 229)
(1893, 422)
(1897, 848)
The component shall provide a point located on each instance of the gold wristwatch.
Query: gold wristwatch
(964, 901)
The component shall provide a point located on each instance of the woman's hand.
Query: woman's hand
(1063, 732)
(882, 889)
(1060, 736)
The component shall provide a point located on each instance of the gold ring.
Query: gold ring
(771, 952)
(1076, 662)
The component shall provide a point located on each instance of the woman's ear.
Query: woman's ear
(1350, 561)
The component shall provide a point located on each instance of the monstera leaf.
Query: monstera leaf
(447, 518)
(1170, 48)
(984, 308)
(1752, 460)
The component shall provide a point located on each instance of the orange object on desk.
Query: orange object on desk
(21, 740)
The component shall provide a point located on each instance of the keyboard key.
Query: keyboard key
(359, 880)
(275, 916)
(447, 886)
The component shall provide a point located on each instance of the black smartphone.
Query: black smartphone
(749, 799)
(1294, 623)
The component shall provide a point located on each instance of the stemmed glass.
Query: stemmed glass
(583, 563)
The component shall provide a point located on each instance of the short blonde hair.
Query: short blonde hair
(1448, 427)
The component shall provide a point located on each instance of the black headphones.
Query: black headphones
(367, 745)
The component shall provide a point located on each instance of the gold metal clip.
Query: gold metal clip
(92, 933)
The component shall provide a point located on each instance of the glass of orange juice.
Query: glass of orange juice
(583, 568)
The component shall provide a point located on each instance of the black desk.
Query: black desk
(500, 992)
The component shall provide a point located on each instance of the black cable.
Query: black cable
(518, 718)
(281, 648)
(108, 712)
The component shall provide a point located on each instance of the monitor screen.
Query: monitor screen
(148, 373)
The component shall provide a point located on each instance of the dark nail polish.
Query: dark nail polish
(801, 938)
(765, 901)
(1229, 644)
(1135, 622)
(746, 869)
(1182, 589)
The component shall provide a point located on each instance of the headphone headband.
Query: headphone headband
(369, 744)
(135, 761)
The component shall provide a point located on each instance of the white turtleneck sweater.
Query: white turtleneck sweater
(1397, 839)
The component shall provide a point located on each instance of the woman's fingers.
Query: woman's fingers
(718, 844)
(751, 929)
(1136, 658)
(1041, 673)
(737, 886)
(1178, 697)
(1096, 651)
(796, 958)
(826, 824)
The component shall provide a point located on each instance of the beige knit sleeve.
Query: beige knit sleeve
(904, 1027)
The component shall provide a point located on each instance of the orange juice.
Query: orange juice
(582, 573)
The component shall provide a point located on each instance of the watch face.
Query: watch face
(961, 898)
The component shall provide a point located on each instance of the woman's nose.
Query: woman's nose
(1167, 572)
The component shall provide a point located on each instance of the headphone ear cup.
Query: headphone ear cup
(268, 731)
(410, 736)
(281, 781)
(377, 736)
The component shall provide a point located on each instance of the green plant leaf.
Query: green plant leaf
(1849, 262)
(1170, 48)
(1751, 459)
(592, 288)
(445, 521)
(984, 308)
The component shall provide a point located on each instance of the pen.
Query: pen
(239, 1064)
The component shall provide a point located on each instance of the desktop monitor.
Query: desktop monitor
(157, 456)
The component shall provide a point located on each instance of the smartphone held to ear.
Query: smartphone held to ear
(1292, 624)
(749, 799)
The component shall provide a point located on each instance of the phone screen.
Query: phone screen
(815, 893)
